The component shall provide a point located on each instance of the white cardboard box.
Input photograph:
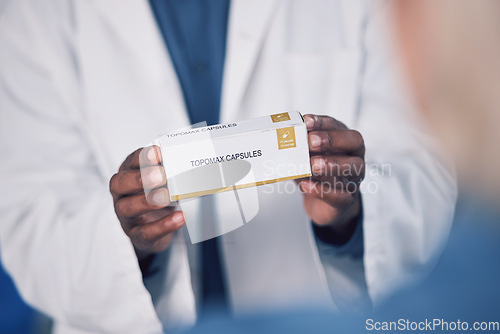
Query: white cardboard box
(223, 157)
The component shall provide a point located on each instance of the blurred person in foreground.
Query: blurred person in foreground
(450, 53)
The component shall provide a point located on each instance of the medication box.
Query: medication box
(223, 157)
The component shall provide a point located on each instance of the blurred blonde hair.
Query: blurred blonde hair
(459, 93)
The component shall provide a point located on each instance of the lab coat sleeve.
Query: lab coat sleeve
(59, 236)
(409, 190)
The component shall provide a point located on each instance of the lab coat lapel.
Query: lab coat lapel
(137, 31)
(353, 14)
(248, 23)
(122, 53)
(343, 103)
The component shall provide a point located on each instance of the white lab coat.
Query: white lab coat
(86, 82)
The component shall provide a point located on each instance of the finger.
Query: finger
(337, 142)
(153, 177)
(145, 235)
(134, 181)
(142, 157)
(349, 168)
(156, 246)
(339, 197)
(151, 216)
(321, 123)
(135, 205)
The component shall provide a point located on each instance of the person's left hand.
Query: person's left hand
(331, 195)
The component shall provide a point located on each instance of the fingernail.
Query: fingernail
(304, 186)
(152, 156)
(319, 165)
(315, 141)
(156, 177)
(309, 122)
(179, 217)
(161, 197)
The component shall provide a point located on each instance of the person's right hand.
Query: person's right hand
(149, 222)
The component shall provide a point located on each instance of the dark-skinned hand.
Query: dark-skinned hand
(331, 196)
(146, 217)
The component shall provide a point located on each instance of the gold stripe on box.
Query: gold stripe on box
(235, 187)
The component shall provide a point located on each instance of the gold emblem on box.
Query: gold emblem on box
(280, 117)
(286, 138)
